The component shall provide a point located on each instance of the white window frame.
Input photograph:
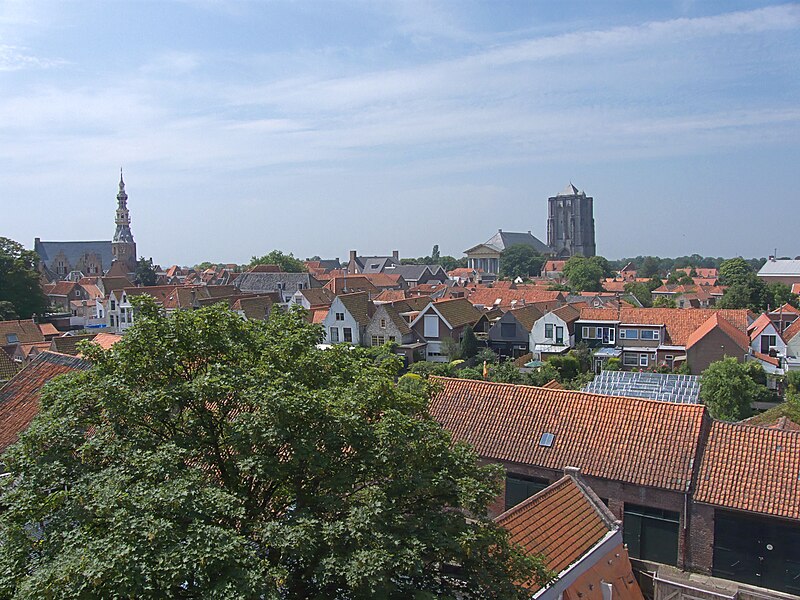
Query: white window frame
(552, 331)
(339, 316)
(345, 331)
(644, 360)
(333, 335)
(630, 360)
(430, 326)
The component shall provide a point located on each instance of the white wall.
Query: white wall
(349, 321)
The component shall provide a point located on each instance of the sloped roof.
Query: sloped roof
(751, 468)
(561, 522)
(74, 251)
(415, 272)
(527, 316)
(359, 306)
(458, 312)
(390, 296)
(759, 325)
(680, 323)
(111, 284)
(489, 296)
(68, 344)
(791, 331)
(19, 398)
(318, 296)
(643, 442)
(26, 331)
(8, 368)
(570, 190)
(61, 288)
(253, 307)
(349, 284)
(267, 282)
(567, 313)
(394, 316)
(716, 322)
(106, 340)
(505, 239)
(777, 268)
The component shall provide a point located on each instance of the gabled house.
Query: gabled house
(714, 340)
(285, 283)
(446, 320)
(790, 335)
(554, 332)
(347, 319)
(313, 298)
(418, 274)
(579, 537)
(510, 335)
(350, 285)
(765, 338)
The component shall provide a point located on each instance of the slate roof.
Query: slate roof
(504, 239)
(643, 442)
(412, 273)
(570, 190)
(680, 323)
(755, 469)
(374, 264)
(26, 331)
(19, 398)
(268, 282)
(562, 522)
(73, 251)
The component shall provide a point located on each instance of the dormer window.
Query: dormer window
(11, 338)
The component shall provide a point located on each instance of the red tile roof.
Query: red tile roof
(19, 398)
(26, 331)
(680, 323)
(106, 340)
(509, 298)
(791, 331)
(638, 441)
(717, 322)
(755, 469)
(562, 522)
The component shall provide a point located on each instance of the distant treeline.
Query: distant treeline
(648, 266)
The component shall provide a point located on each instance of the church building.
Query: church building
(73, 260)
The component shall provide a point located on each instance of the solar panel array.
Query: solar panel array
(684, 389)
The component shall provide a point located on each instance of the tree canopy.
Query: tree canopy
(584, 274)
(521, 260)
(21, 296)
(728, 389)
(206, 456)
(145, 272)
(287, 262)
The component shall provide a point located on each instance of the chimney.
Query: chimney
(351, 266)
(396, 255)
(529, 232)
(499, 231)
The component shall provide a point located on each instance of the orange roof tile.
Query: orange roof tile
(48, 329)
(509, 298)
(755, 469)
(106, 340)
(759, 325)
(791, 331)
(19, 398)
(561, 522)
(714, 322)
(680, 323)
(644, 442)
(390, 296)
(25, 331)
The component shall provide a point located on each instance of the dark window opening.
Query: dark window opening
(521, 487)
(651, 533)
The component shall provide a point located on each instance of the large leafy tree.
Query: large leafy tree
(206, 456)
(145, 272)
(287, 262)
(583, 274)
(521, 260)
(21, 296)
(728, 390)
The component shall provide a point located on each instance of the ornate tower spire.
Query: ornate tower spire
(123, 247)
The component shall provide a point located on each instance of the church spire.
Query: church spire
(123, 216)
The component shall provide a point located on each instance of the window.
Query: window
(629, 334)
(559, 335)
(767, 342)
(430, 326)
(378, 340)
(547, 440)
(585, 333)
(643, 360)
(392, 338)
(348, 334)
(334, 335)
(340, 316)
(508, 330)
(669, 359)
(520, 487)
(383, 323)
(630, 360)
(299, 285)
(113, 304)
(280, 285)
(548, 331)
(11, 338)
(649, 334)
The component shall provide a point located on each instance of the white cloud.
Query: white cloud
(15, 59)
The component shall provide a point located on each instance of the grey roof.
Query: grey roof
(48, 251)
(415, 272)
(375, 264)
(268, 282)
(781, 267)
(504, 239)
(330, 263)
(570, 190)
(684, 389)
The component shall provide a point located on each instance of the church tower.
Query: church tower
(123, 248)
(570, 223)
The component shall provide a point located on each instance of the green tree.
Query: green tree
(19, 282)
(520, 260)
(469, 343)
(505, 372)
(648, 267)
(567, 365)
(641, 292)
(287, 262)
(733, 271)
(230, 458)
(781, 294)
(664, 302)
(435, 256)
(145, 273)
(603, 263)
(583, 274)
(449, 263)
(728, 390)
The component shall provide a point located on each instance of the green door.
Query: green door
(651, 533)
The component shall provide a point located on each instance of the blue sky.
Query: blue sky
(317, 127)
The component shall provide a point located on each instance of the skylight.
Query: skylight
(547, 439)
